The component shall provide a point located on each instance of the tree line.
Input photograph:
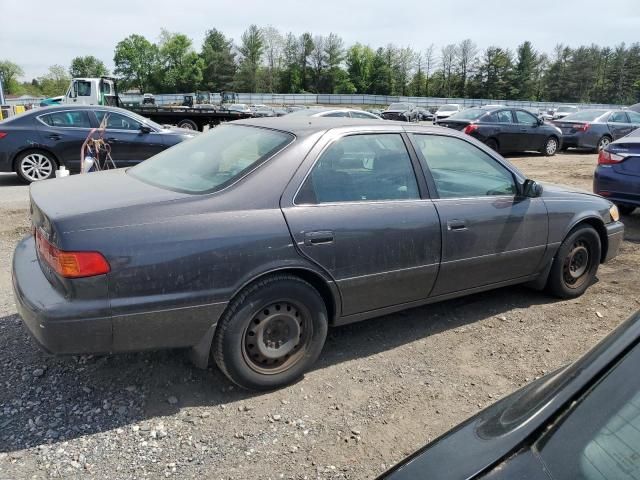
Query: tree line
(265, 60)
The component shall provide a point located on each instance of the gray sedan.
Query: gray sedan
(595, 129)
(247, 242)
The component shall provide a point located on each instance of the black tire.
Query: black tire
(603, 142)
(576, 263)
(35, 165)
(550, 147)
(625, 209)
(188, 124)
(492, 144)
(280, 311)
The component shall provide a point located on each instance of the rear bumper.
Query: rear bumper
(616, 187)
(56, 323)
(5, 162)
(75, 326)
(615, 235)
(579, 141)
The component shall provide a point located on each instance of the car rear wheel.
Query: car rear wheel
(576, 263)
(188, 124)
(625, 209)
(603, 143)
(492, 144)
(271, 333)
(35, 165)
(550, 146)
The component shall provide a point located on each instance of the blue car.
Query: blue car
(617, 175)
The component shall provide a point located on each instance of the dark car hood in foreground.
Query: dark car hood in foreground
(486, 439)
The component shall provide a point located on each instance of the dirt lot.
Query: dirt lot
(382, 389)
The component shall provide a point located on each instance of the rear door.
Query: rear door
(64, 132)
(129, 144)
(362, 215)
(619, 124)
(490, 234)
(507, 132)
(530, 136)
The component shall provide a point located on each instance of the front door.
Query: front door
(507, 133)
(360, 215)
(129, 144)
(490, 233)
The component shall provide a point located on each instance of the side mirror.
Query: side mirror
(531, 189)
(145, 129)
(540, 121)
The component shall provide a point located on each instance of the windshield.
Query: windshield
(448, 108)
(211, 161)
(399, 106)
(586, 115)
(471, 114)
(145, 120)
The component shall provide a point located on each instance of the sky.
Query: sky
(38, 33)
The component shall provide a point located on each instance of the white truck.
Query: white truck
(92, 91)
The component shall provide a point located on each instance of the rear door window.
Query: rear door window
(68, 119)
(618, 117)
(358, 168)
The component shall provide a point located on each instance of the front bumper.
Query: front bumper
(615, 236)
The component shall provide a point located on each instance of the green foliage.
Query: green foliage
(10, 73)
(55, 82)
(251, 50)
(136, 60)
(219, 62)
(87, 66)
(180, 67)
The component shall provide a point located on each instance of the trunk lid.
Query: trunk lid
(569, 127)
(454, 124)
(631, 152)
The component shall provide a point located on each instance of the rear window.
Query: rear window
(211, 161)
(585, 115)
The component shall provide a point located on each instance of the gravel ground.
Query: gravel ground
(382, 389)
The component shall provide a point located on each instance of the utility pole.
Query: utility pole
(1, 90)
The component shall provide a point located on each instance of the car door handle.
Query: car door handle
(318, 238)
(112, 140)
(54, 136)
(456, 225)
(524, 129)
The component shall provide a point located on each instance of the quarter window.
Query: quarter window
(460, 169)
(361, 168)
(117, 121)
(75, 118)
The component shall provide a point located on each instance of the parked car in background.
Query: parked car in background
(334, 112)
(248, 241)
(280, 111)
(564, 111)
(505, 129)
(617, 176)
(294, 108)
(580, 422)
(48, 102)
(375, 111)
(445, 111)
(403, 112)
(239, 107)
(263, 111)
(424, 115)
(595, 129)
(36, 143)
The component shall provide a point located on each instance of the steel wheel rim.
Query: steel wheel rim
(552, 146)
(576, 264)
(604, 142)
(277, 337)
(187, 126)
(36, 166)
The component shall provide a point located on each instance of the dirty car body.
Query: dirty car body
(359, 213)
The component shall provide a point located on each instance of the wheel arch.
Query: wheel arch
(598, 225)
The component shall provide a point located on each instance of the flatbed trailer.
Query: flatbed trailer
(193, 118)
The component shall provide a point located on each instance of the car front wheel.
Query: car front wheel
(271, 333)
(576, 263)
(550, 146)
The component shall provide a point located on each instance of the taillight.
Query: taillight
(469, 129)
(583, 128)
(71, 264)
(608, 158)
(3, 134)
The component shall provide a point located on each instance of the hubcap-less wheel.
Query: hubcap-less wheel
(36, 166)
(552, 146)
(576, 265)
(603, 143)
(276, 338)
